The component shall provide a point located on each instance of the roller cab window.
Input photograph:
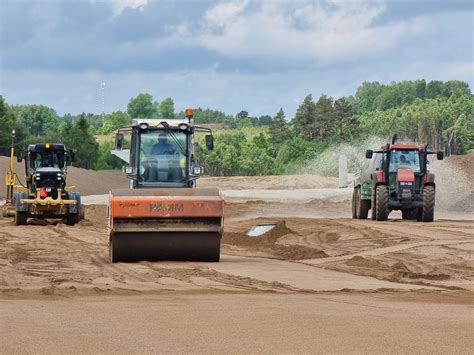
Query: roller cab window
(163, 156)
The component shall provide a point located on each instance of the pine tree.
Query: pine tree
(279, 129)
(305, 118)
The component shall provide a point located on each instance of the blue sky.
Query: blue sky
(228, 55)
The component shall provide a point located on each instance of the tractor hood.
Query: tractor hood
(405, 174)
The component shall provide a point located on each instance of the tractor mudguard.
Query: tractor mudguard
(21, 207)
(378, 178)
(429, 178)
(74, 195)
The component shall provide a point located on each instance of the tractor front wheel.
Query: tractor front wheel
(427, 214)
(381, 203)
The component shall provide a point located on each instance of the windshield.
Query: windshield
(163, 156)
(52, 159)
(405, 159)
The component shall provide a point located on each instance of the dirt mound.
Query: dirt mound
(268, 243)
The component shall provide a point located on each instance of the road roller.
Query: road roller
(163, 215)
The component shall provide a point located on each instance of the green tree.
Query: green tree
(279, 129)
(78, 137)
(265, 120)
(142, 106)
(323, 125)
(115, 120)
(39, 120)
(346, 124)
(166, 108)
(8, 123)
(305, 118)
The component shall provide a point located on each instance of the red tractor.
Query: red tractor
(396, 178)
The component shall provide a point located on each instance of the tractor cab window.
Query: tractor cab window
(50, 159)
(163, 156)
(405, 159)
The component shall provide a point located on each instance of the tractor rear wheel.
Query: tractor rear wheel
(381, 203)
(363, 207)
(428, 204)
(355, 200)
(21, 218)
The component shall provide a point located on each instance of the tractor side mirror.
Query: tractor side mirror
(119, 141)
(440, 155)
(209, 142)
(369, 153)
(19, 157)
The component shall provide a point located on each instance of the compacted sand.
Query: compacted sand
(317, 282)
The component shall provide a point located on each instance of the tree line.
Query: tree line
(437, 113)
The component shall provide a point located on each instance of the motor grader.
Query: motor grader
(396, 178)
(45, 194)
(163, 215)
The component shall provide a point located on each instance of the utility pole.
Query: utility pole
(102, 85)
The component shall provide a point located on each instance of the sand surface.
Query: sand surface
(317, 282)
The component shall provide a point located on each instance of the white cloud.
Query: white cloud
(119, 6)
(223, 13)
(323, 32)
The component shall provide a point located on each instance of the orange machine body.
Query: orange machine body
(189, 205)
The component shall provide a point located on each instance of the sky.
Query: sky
(231, 55)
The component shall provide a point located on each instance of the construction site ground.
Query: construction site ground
(318, 281)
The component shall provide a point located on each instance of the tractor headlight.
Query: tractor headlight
(406, 183)
(38, 176)
(143, 125)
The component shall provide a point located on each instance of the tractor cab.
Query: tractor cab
(46, 194)
(46, 167)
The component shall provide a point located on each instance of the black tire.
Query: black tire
(363, 208)
(21, 218)
(381, 203)
(72, 219)
(427, 214)
(82, 212)
(355, 199)
(373, 203)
